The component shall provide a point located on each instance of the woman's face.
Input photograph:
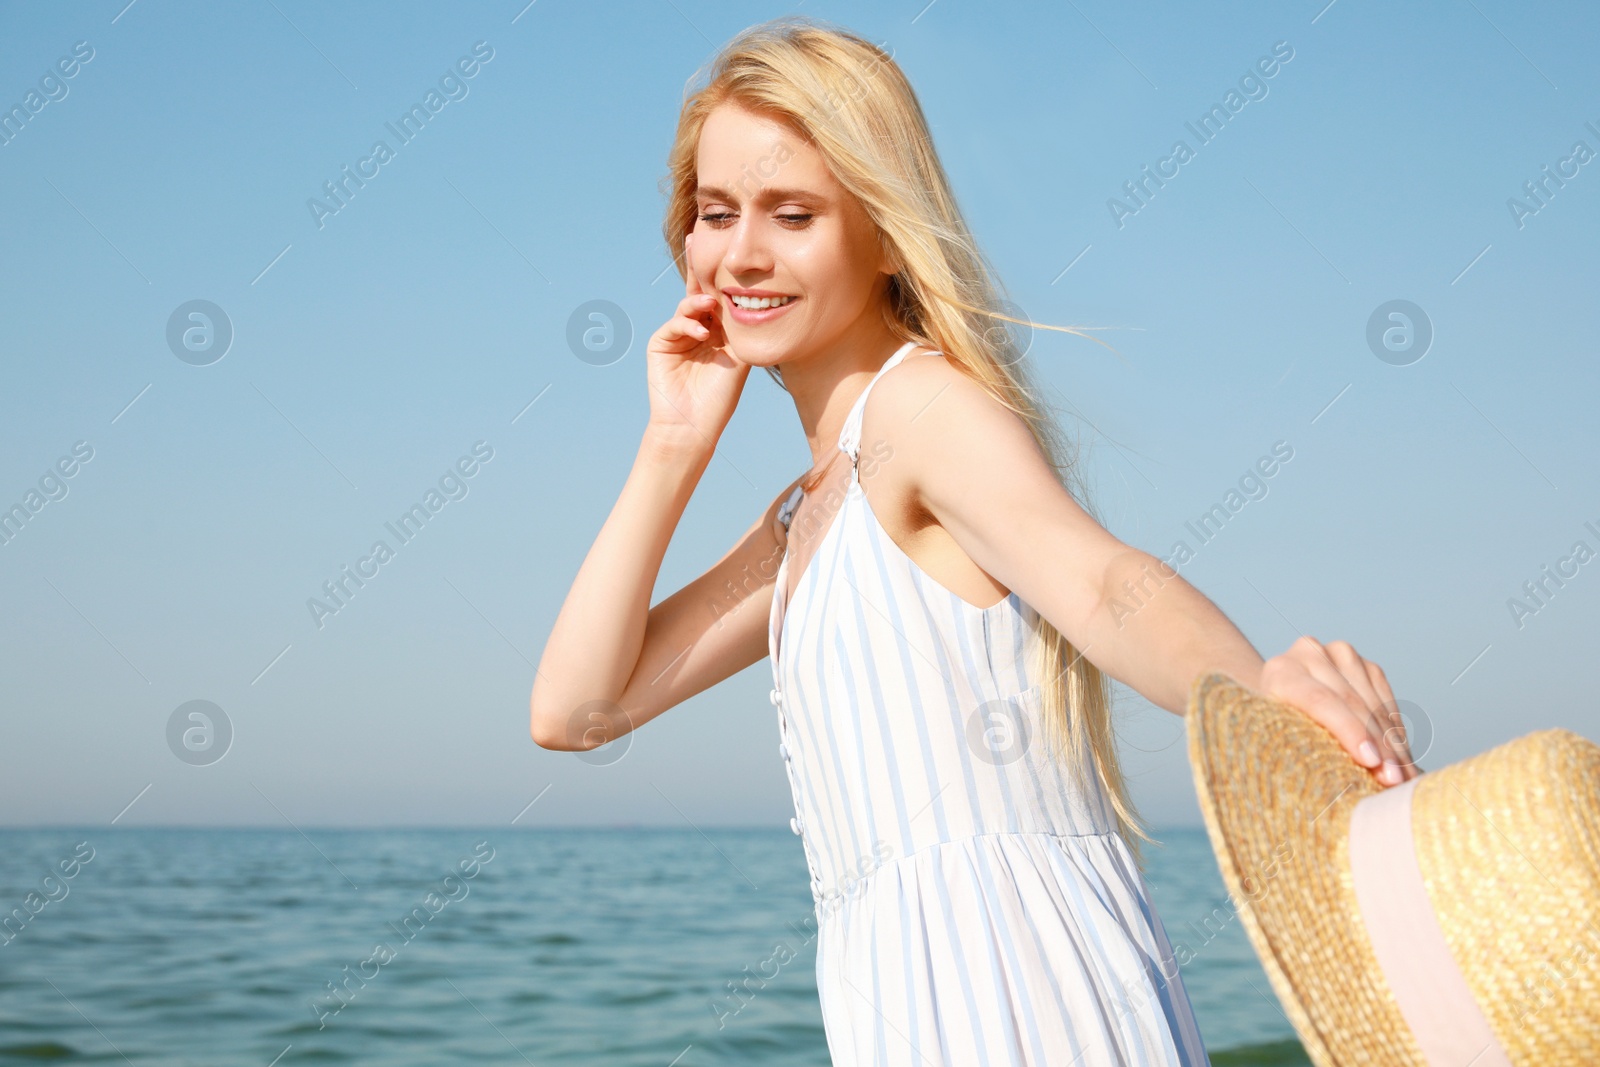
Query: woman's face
(773, 221)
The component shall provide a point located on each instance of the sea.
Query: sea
(622, 947)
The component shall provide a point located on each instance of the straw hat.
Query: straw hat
(1450, 920)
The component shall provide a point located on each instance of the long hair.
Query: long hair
(850, 100)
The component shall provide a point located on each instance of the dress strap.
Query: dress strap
(850, 435)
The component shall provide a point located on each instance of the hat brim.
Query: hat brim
(1276, 791)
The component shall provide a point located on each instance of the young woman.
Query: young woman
(941, 612)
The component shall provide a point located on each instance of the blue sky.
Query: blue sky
(376, 347)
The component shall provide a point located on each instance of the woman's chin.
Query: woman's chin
(756, 349)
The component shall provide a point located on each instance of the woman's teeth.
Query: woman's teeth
(755, 303)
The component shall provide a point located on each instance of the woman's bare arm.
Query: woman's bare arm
(976, 468)
(612, 663)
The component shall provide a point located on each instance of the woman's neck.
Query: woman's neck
(825, 386)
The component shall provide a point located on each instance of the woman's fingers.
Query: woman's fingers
(1312, 679)
(1396, 733)
(1353, 669)
(1384, 713)
(705, 304)
(1295, 683)
(691, 280)
(696, 303)
(683, 332)
(700, 303)
(1316, 661)
(694, 322)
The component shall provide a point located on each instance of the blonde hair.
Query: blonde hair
(850, 100)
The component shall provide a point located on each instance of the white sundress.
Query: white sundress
(975, 906)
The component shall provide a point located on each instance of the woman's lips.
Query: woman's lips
(756, 317)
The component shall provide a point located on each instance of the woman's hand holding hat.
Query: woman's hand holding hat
(1347, 695)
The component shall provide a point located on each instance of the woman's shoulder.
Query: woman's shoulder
(936, 417)
(928, 393)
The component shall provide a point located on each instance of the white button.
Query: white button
(776, 698)
(795, 825)
(783, 750)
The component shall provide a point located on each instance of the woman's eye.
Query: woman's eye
(718, 219)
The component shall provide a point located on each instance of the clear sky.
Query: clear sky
(375, 346)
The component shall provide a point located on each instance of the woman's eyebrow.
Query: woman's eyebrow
(765, 193)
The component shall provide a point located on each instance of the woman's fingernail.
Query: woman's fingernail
(1391, 772)
(1369, 753)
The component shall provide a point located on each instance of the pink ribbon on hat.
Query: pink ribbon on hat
(1445, 1019)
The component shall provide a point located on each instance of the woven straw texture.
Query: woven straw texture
(1276, 790)
(1512, 866)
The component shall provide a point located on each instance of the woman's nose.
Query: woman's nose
(748, 251)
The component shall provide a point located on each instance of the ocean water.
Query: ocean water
(616, 947)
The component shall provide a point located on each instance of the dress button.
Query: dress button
(796, 825)
(776, 697)
(783, 750)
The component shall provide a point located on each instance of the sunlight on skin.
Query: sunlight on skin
(772, 221)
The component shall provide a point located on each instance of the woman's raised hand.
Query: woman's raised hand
(695, 379)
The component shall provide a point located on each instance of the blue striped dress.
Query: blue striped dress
(975, 904)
